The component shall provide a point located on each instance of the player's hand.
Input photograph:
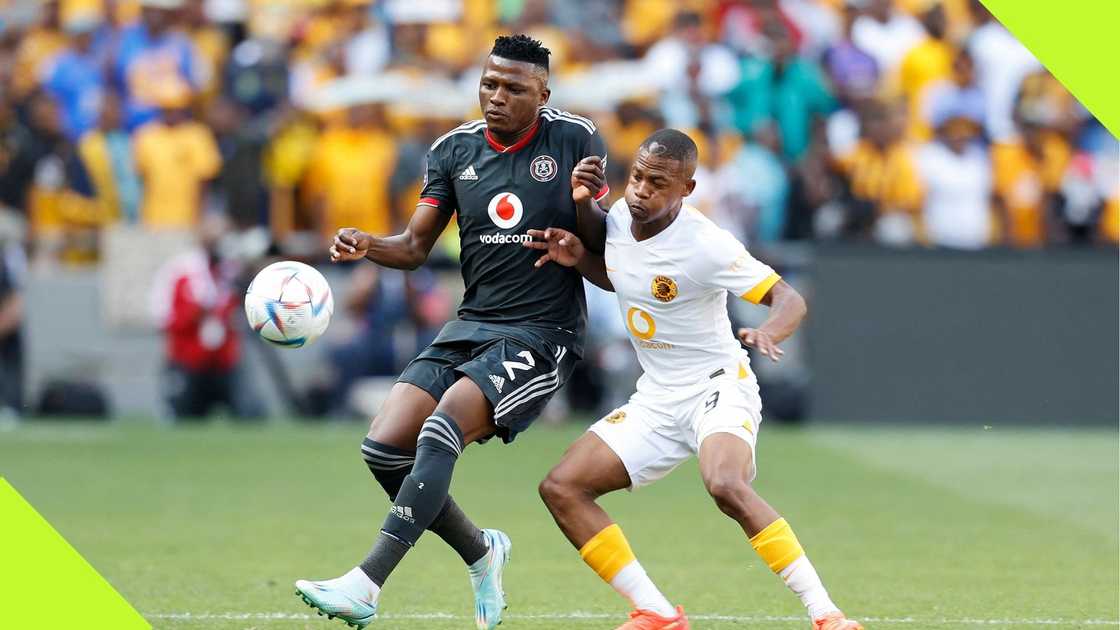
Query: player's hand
(762, 341)
(588, 178)
(561, 247)
(350, 244)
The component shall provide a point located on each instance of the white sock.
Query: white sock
(633, 584)
(357, 583)
(802, 579)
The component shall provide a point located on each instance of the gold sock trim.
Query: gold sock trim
(777, 545)
(607, 552)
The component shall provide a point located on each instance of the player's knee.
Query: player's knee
(730, 492)
(389, 465)
(558, 490)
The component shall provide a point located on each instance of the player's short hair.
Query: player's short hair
(674, 145)
(521, 47)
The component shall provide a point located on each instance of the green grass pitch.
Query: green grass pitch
(208, 526)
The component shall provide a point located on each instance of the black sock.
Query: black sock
(390, 465)
(386, 554)
(422, 495)
(457, 530)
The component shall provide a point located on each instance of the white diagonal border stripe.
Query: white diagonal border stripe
(539, 390)
(428, 432)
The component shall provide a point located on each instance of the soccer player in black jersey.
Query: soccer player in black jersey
(519, 331)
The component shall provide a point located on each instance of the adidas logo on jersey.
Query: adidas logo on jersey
(498, 382)
(469, 174)
(402, 512)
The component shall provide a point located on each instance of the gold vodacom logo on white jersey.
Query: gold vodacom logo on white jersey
(641, 325)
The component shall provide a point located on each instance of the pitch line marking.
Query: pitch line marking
(965, 621)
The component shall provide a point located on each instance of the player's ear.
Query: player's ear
(689, 186)
(545, 93)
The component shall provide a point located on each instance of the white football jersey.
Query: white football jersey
(672, 292)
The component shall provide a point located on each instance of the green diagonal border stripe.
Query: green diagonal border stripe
(1077, 41)
(45, 583)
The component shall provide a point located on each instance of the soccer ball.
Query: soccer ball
(289, 304)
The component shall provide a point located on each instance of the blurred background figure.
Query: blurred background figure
(881, 190)
(12, 272)
(349, 174)
(196, 304)
(956, 177)
(692, 72)
(176, 156)
(74, 77)
(886, 33)
(107, 158)
(151, 55)
(781, 89)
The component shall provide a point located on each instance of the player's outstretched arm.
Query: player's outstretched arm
(407, 250)
(564, 248)
(787, 310)
(589, 177)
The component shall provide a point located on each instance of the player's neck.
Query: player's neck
(650, 229)
(510, 139)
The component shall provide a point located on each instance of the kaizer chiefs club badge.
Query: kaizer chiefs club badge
(543, 168)
(664, 288)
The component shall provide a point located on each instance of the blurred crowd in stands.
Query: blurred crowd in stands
(904, 122)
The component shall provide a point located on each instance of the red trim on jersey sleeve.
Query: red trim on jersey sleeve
(516, 146)
(430, 201)
(603, 192)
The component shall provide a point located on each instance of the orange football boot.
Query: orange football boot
(647, 620)
(836, 621)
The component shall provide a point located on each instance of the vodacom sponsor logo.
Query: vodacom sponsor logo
(640, 323)
(506, 210)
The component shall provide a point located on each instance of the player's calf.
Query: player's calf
(726, 465)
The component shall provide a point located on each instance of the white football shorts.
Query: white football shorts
(655, 432)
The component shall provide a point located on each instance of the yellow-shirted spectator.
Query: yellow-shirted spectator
(212, 45)
(1027, 172)
(1110, 220)
(958, 17)
(927, 63)
(175, 157)
(36, 48)
(349, 174)
(286, 160)
(881, 173)
(646, 21)
(106, 155)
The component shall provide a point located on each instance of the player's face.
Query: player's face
(510, 92)
(656, 186)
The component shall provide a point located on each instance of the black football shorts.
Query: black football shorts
(517, 369)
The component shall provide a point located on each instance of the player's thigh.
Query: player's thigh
(465, 403)
(402, 414)
(518, 376)
(726, 418)
(725, 459)
(589, 466)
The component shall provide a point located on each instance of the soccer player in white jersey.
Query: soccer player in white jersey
(672, 269)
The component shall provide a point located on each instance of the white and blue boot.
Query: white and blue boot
(352, 598)
(486, 578)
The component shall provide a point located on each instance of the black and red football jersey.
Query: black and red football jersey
(499, 192)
